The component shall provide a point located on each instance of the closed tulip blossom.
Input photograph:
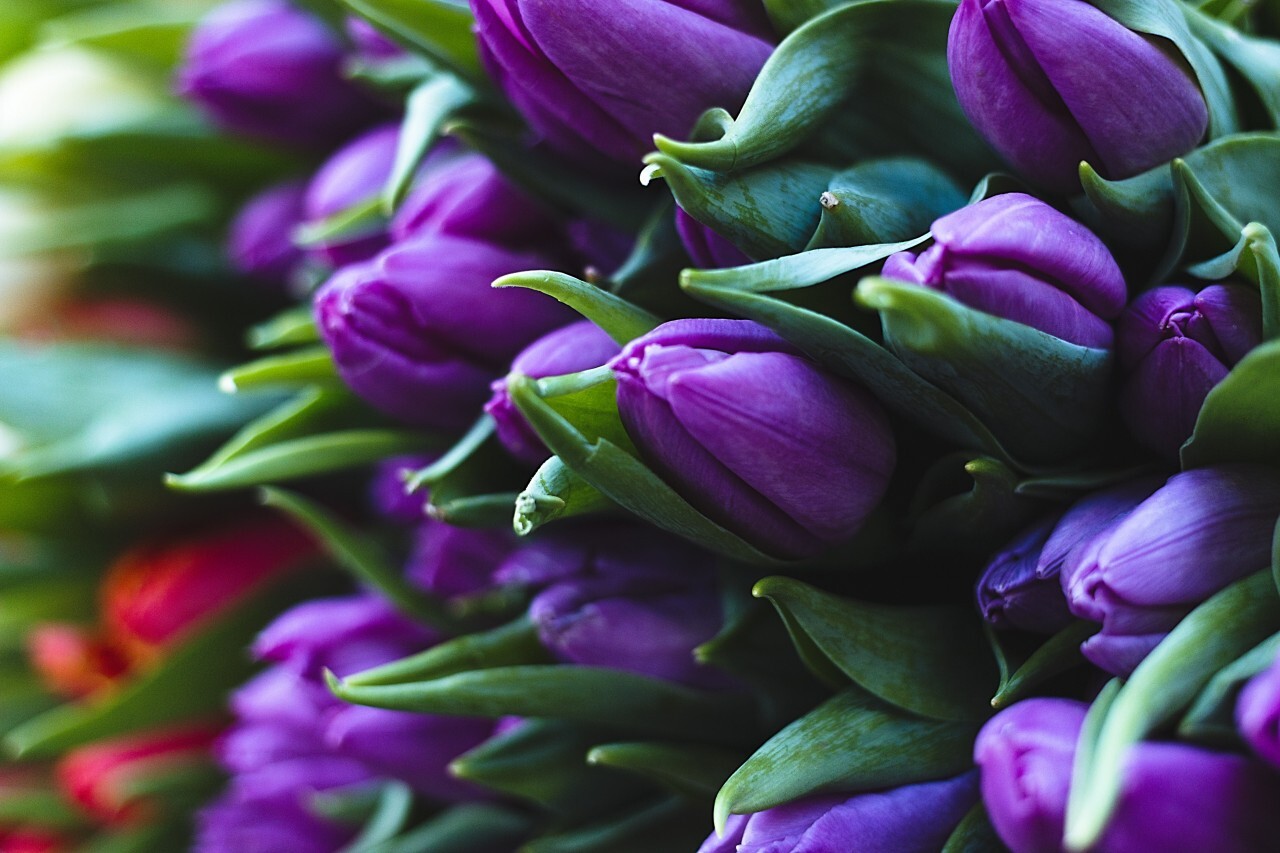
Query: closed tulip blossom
(1012, 593)
(1173, 797)
(759, 439)
(649, 66)
(911, 819)
(260, 242)
(706, 248)
(1175, 345)
(352, 176)
(1051, 83)
(1258, 714)
(457, 561)
(1201, 531)
(1016, 257)
(267, 69)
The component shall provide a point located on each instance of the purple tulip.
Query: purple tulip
(354, 175)
(261, 236)
(1258, 713)
(457, 561)
(575, 347)
(1195, 535)
(1088, 517)
(1050, 83)
(1016, 257)
(600, 79)
(419, 333)
(264, 68)
(387, 489)
(1013, 594)
(759, 439)
(707, 249)
(1173, 797)
(911, 819)
(370, 43)
(1174, 346)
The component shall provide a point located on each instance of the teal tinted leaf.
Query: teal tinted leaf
(288, 328)
(1256, 59)
(931, 660)
(1044, 397)
(789, 14)
(441, 29)
(361, 557)
(307, 366)
(883, 61)
(671, 824)
(1058, 654)
(556, 491)
(1240, 418)
(977, 518)
(588, 695)
(468, 828)
(1255, 258)
(851, 742)
(1208, 639)
(975, 834)
(696, 770)
(794, 271)
(1211, 717)
(389, 816)
(619, 319)
(513, 644)
(767, 211)
(884, 201)
(428, 107)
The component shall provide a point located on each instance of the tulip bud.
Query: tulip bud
(1198, 533)
(103, 777)
(419, 333)
(911, 819)
(388, 489)
(757, 438)
(1016, 257)
(260, 242)
(706, 248)
(1012, 594)
(456, 561)
(352, 176)
(73, 661)
(265, 68)
(157, 594)
(649, 66)
(1050, 83)
(1088, 517)
(1258, 713)
(1174, 346)
(578, 346)
(1173, 797)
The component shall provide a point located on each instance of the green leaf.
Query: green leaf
(470, 485)
(513, 644)
(1210, 637)
(361, 558)
(884, 201)
(1211, 718)
(694, 770)
(852, 742)
(619, 319)
(309, 366)
(1240, 418)
(432, 103)
(976, 519)
(290, 327)
(138, 33)
(1058, 654)
(647, 276)
(587, 695)
(1255, 258)
(1256, 59)
(441, 29)
(789, 14)
(468, 828)
(975, 834)
(389, 816)
(1044, 397)
(556, 491)
(359, 220)
(929, 660)
(767, 211)
(670, 824)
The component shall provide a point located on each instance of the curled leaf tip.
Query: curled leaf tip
(227, 384)
(650, 172)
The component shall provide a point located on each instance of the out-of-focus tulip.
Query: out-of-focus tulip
(1198, 533)
(1016, 257)
(597, 79)
(267, 69)
(31, 841)
(1173, 797)
(706, 248)
(456, 561)
(387, 489)
(74, 661)
(911, 819)
(756, 437)
(1050, 83)
(354, 175)
(1011, 592)
(1258, 713)
(578, 346)
(260, 241)
(1174, 346)
(369, 42)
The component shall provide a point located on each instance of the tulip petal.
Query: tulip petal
(1163, 396)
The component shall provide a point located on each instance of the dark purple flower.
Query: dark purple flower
(260, 242)
(1086, 518)
(1012, 594)
(1258, 713)
(912, 819)
(1016, 257)
(597, 78)
(578, 346)
(456, 561)
(388, 493)
(601, 248)
(267, 69)
(419, 333)
(1173, 797)
(1198, 533)
(759, 439)
(1050, 83)
(706, 248)
(354, 175)
(1174, 346)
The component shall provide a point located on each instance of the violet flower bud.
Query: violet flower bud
(1012, 594)
(648, 66)
(1258, 713)
(1173, 797)
(260, 242)
(1174, 346)
(578, 346)
(1086, 518)
(1016, 257)
(456, 561)
(707, 249)
(1198, 533)
(912, 819)
(387, 489)
(267, 69)
(419, 333)
(356, 173)
(1050, 83)
(756, 437)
